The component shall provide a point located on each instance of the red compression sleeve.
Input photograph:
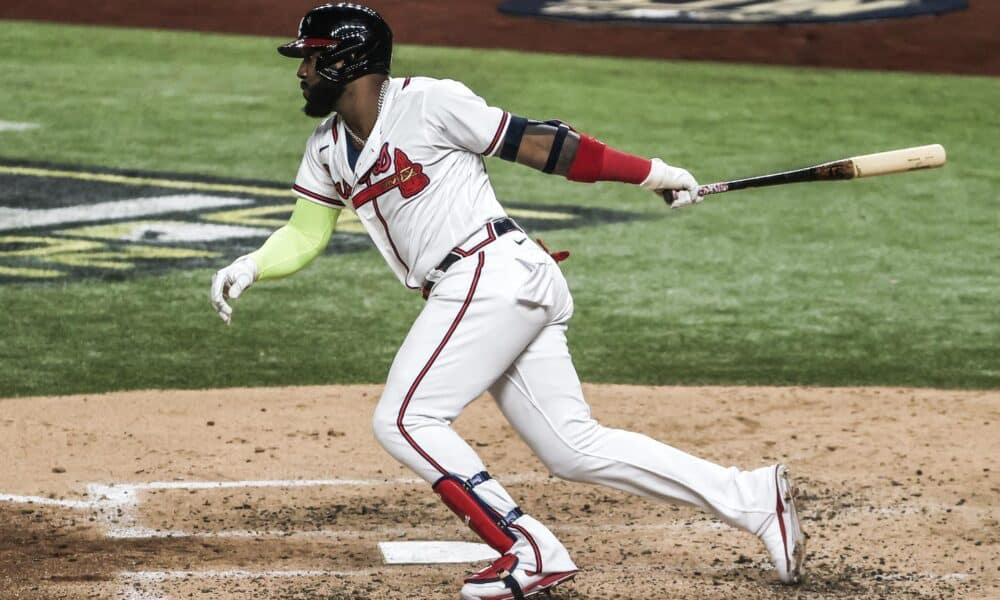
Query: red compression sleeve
(595, 161)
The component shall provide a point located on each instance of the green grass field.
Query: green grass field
(888, 281)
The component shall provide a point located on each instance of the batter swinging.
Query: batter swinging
(406, 156)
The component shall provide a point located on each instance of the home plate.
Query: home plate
(425, 553)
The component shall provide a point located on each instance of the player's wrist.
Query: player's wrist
(658, 174)
(665, 177)
(596, 161)
(249, 264)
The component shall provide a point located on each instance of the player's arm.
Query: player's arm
(465, 121)
(287, 250)
(296, 244)
(553, 147)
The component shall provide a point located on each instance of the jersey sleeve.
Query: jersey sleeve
(463, 120)
(313, 181)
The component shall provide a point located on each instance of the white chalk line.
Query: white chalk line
(279, 483)
(116, 505)
(113, 495)
(162, 576)
(43, 501)
(118, 495)
(292, 483)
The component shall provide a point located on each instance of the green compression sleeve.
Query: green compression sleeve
(298, 242)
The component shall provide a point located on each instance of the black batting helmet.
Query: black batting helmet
(345, 32)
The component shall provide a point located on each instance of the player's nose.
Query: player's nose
(303, 71)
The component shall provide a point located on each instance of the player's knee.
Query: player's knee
(384, 424)
(563, 470)
(566, 461)
(390, 422)
(572, 460)
(569, 468)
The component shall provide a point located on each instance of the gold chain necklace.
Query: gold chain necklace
(378, 111)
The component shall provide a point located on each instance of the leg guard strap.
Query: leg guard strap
(490, 525)
(513, 585)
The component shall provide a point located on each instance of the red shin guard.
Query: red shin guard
(486, 522)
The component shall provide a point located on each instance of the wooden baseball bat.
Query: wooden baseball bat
(868, 165)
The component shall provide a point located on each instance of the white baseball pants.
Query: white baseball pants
(497, 322)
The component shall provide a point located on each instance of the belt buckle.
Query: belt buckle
(430, 280)
(433, 276)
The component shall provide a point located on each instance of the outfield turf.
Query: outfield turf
(888, 281)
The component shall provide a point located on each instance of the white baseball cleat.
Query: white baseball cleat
(781, 533)
(503, 580)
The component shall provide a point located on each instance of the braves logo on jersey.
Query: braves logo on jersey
(409, 178)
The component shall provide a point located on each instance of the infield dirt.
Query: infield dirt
(899, 495)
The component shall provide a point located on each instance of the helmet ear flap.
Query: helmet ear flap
(335, 64)
(326, 65)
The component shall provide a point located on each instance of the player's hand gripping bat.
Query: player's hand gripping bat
(869, 165)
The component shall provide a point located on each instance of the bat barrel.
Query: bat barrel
(899, 161)
(867, 165)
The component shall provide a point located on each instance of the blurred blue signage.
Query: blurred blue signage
(729, 12)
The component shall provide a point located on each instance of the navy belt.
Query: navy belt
(495, 229)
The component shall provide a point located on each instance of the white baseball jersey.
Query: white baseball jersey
(496, 320)
(419, 187)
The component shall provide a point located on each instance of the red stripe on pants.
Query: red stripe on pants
(430, 362)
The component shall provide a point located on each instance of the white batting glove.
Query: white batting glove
(662, 177)
(230, 282)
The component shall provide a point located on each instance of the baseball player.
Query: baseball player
(406, 155)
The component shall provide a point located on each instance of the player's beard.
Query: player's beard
(321, 98)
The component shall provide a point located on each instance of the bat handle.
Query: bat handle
(713, 188)
(705, 190)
